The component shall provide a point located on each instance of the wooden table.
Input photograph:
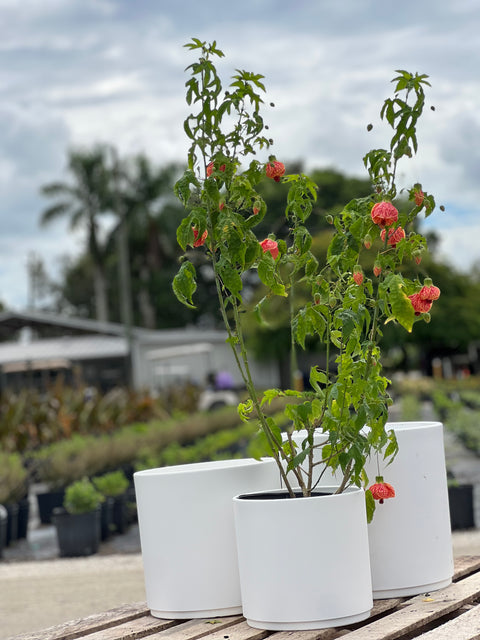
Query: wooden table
(452, 613)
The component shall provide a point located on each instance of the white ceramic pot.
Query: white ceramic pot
(304, 562)
(410, 535)
(187, 534)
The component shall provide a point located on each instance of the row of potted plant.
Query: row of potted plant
(66, 462)
(30, 418)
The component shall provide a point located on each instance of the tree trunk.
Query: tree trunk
(147, 310)
(100, 289)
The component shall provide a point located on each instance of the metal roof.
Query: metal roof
(12, 321)
(66, 348)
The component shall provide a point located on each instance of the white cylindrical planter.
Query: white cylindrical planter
(187, 534)
(410, 535)
(304, 562)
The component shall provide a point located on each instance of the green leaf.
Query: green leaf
(370, 505)
(182, 186)
(400, 304)
(245, 409)
(299, 328)
(231, 279)
(271, 394)
(269, 276)
(185, 233)
(317, 377)
(184, 284)
(297, 460)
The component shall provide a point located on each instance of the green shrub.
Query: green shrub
(410, 407)
(64, 462)
(81, 497)
(443, 403)
(471, 398)
(465, 424)
(111, 484)
(13, 478)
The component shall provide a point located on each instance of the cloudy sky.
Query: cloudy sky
(77, 72)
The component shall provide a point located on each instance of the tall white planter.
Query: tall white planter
(187, 534)
(304, 563)
(410, 535)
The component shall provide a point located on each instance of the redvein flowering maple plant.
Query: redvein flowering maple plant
(345, 309)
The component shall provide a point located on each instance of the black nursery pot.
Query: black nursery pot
(47, 502)
(12, 523)
(120, 513)
(3, 529)
(77, 534)
(107, 518)
(23, 516)
(461, 506)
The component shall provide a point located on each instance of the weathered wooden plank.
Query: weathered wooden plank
(465, 565)
(132, 630)
(83, 626)
(419, 611)
(240, 631)
(319, 634)
(382, 606)
(465, 627)
(197, 628)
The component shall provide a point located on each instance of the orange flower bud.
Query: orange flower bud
(394, 236)
(384, 214)
(382, 490)
(271, 246)
(275, 170)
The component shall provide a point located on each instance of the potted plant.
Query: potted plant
(113, 486)
(13, 482)
(78, 521)
(61, 463)
(338, 304)
(461, 501)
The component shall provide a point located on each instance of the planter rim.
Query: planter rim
(329, 490)
(200, 467)
(302, 433)
(405, 425)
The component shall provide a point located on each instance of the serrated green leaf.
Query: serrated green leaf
(401, 306)
(184, 284)
(299, 328)
(370, 505)
(268, 275)
(297, 460)
(231, 279)
(317, 377)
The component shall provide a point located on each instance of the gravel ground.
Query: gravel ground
(39, 594)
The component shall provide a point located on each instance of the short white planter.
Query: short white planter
(410, 535)
(304, 563)
(187, 534)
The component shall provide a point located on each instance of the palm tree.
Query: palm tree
(84, 200)
(144, 195)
